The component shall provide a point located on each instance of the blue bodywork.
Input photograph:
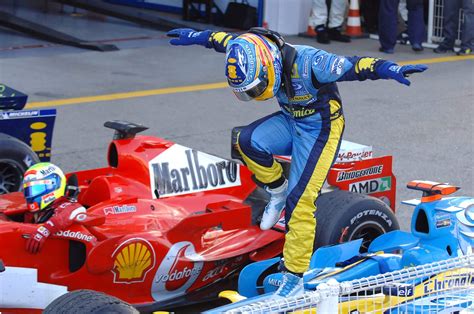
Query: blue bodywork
(33, 127)
(440, 230)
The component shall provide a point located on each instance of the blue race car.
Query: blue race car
(25, 137)
(442, 229)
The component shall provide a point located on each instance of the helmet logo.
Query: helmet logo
(242, 61)
(29, 175)
(48, 170)
(33, 206)
(238, 65)
(232, 71)
(48, 198)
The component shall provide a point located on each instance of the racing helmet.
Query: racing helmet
(253, 67)
(43, 183)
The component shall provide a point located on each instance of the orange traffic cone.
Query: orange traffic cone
(353, 27)
(310, 31)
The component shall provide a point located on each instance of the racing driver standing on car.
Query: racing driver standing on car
(44, 187)
(309, 126)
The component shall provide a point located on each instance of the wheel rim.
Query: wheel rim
(367, 231)
(10, 177)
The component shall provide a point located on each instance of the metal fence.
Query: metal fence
(435, 21)
(445, 286)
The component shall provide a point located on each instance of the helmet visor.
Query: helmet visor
(36, 188)
(251, 91)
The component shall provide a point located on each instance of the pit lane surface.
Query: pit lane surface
(427, 127)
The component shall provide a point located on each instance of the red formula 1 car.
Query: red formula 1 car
(166, 224)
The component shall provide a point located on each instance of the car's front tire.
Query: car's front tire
(343, 216)
(88, 301)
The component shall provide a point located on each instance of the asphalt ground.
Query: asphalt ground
(428, 127)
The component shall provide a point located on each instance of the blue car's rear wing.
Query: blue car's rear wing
(33, 127)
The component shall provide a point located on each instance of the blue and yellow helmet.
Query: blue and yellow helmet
(253, 67)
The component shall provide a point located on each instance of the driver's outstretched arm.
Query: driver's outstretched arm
(207, 38)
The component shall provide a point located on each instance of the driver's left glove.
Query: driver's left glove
(390, 70)
(35, 242)
(188, 36)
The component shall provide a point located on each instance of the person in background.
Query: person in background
(369, 10)
(403, 37)
(328, 30)
(450, 26)
(388, 24)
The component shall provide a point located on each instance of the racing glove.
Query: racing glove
(390, 70)
(188, 36)
(64, 217)
(207, 38)
(35, 242)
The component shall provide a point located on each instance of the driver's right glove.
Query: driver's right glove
(188, 36)
(63, 218)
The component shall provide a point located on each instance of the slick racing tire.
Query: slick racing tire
(343, 216)
(15, 158)
(88, 301)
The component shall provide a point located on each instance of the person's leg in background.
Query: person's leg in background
(318, 20)
(369, 10)
(467, 42)
(336, 19)
(416, 24)
(402, 9)
(450, 25)
(388, 22)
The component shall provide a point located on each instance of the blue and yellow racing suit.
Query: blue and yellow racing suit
(308, 127)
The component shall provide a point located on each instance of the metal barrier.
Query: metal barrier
(441, 285)
(435, 21)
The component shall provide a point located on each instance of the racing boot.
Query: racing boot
(275, 206)
(291, 286)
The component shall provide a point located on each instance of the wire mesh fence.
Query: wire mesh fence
(435, 22)
(440, 287)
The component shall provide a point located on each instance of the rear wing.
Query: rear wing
(33, 127)
(432, 191)
(355, 169)
(358, 171)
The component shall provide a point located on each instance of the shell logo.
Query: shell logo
(133, 259)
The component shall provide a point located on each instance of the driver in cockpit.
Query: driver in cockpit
(44, 187)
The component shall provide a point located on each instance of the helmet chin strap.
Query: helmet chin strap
(288, 56)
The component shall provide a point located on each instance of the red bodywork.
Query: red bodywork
(145, 247)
